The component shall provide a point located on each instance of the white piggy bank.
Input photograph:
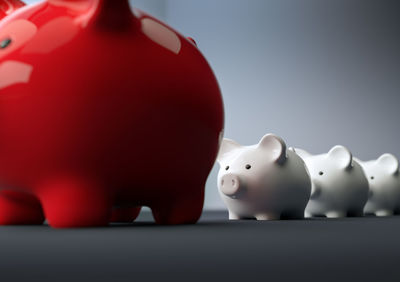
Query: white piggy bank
(384, 184)
(263, 181)
(339, 185)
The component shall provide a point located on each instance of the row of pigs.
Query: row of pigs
(268, 181)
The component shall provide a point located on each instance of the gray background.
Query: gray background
(318, 73)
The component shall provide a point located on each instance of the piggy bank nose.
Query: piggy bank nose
(230, 184)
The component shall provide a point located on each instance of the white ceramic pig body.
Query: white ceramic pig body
(264, 181)
(384, 184)
(339, 185)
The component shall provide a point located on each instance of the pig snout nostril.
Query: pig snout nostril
(230, 185)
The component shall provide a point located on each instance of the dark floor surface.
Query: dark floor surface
(351, 249)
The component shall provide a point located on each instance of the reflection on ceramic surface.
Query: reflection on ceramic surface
(13, 72)
(19, 32)
(58, 31)
(7, 7)
(161, 35)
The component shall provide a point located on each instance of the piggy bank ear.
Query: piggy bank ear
(302, 153)
(227, 146)
(342, 156)
(275, 147)
(192, 40)
(389, 162)
(7, 7)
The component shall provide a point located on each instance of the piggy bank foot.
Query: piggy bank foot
(384, 213)
(69, 203)
(125, 215)
(335, 214)
(20, 209)
(234, 216)
(268, 216)
(184, 210)
(308, 215)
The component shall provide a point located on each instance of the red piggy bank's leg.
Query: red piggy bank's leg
(125, 214)
(185, 209)
(19, 209)
(75, 203)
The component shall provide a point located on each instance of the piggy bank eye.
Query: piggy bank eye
(227, 167)
(5, 43)
(248, 166)
(372, 177)
(321, 173)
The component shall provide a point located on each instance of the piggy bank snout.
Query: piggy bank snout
(230, 185)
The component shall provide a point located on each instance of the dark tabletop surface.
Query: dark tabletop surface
(351, 249)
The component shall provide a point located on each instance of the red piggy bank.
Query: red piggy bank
(102, 110)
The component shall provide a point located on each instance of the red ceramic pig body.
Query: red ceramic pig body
(102, 108)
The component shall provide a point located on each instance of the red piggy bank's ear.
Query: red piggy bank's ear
(7, 7)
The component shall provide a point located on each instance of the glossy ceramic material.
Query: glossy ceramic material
(263, 181)
(384, 185)
(101, 108)
(8, 7)
(339, 185)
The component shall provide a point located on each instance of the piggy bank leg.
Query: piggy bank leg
(335, 214)
(384, 213)
(73, 202)
(20, 209)
(125, 215)
(233, 216)
(268, 216)
(307, 214)
(183, 210)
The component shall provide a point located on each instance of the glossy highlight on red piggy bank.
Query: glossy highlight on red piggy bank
(103, 109)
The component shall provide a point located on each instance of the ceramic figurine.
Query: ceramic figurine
(102, 108)
(384, 184)
(339, 185)
(263, 181)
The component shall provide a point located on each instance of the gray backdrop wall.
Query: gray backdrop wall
(318, 73)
